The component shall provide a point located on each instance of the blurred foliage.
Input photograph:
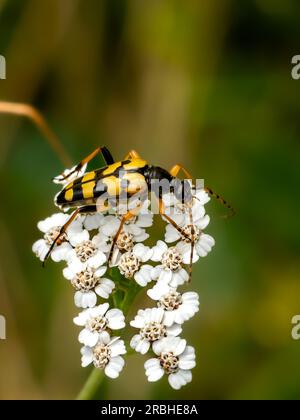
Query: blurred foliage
(203, 83)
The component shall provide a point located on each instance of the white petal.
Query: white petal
(87, 356)
(185, 250)
(77, 238)
(77, 299)
(104, 288)
(171, 234)
(93, 221)
(180, 277)
(165, 276)
(100, 271)
(117, 348)
(61, 252)
(88, 338)
(76, 265)
(82, 318)
(176, 345)
(68, 273)
(116, 319)
(89, 299)
(204, 245)
(145, 220)
(97, 260)
(158, 250)
(153, 370)
(155, 273)
(138, 321)
(111, 226)
(169, 318)
(202, 196)
(56, 220)
(198, 213)
(100, 241)
(203, 222)
(160, 289)
(180, 378)
(187, 359)
(143, 276)
(40, 248)
(140, 345)
(174, 329)
(188, 308)
(145, 314)
(142, 252)
(157, 315)
(85, 299)
(143, 236)
(114, 367)
(100, 309)
(133, 229)
(104, 338)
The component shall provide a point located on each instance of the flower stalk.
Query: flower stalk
(92, 385)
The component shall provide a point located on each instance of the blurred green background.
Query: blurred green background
(204, 83)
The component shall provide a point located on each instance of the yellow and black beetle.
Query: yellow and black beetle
(127, 177)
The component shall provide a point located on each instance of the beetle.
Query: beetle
(127, 177)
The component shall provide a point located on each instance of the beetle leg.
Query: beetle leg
(174, 171)
(129, 215)
(67, 175)
(61, 232)
(171, 221)
(132, 155)
(84, 209)
(181, 231)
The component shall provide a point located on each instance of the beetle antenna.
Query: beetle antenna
(221, 200)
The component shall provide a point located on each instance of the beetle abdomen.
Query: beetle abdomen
(125, 177)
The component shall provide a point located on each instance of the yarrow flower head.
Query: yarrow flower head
(174, 359)
(171, 269)
(88, 283)
(51, 227)
(105, 354)
(178, 307)
(132, 264)
(96, 320)
(152, 326)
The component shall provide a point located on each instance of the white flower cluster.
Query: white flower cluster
(85, 248)
(159, 327)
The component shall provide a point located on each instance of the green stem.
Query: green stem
(91, 386)
(129, 297)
